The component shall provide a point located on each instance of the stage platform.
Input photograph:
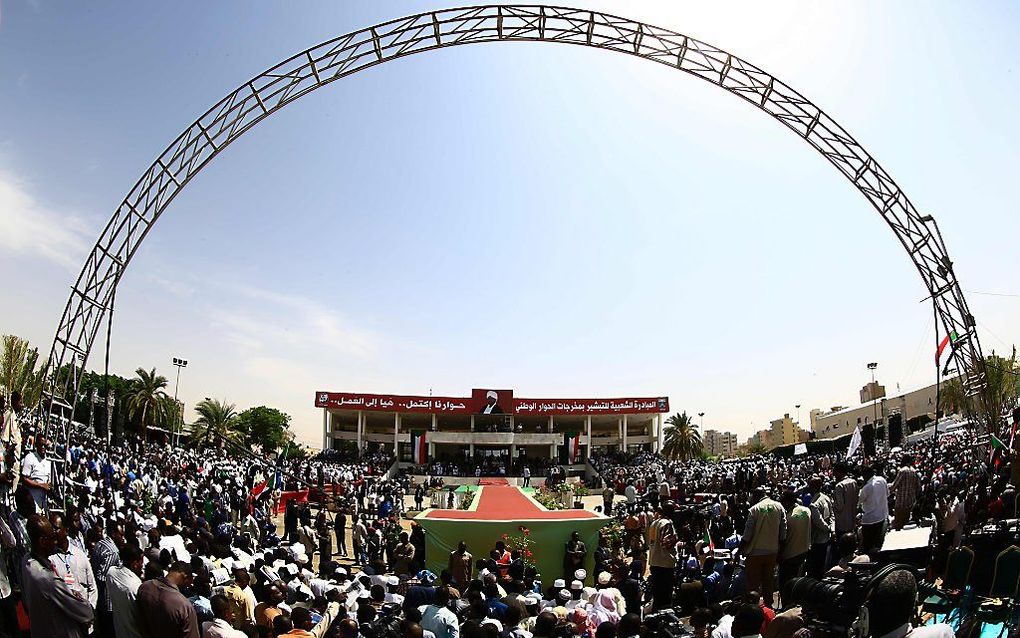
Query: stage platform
(505, 509)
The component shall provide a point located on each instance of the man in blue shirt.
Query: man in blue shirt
(438, 618)
(497, 609)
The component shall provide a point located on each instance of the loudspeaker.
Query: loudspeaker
(895, 430)
(868, 439)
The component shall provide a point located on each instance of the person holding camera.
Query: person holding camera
(892, 606)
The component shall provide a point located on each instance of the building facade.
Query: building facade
(490, 423)
(761, 438)
(786, 431)
(916, 406)
(720, 443)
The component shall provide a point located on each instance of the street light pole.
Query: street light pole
(874, 401)
(180, 363)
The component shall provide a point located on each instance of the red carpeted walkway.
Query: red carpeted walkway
(504, 502)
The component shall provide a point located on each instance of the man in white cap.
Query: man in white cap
(576, 589)
(557, 585)
(392, 584)
(605, 580)
(562, 599)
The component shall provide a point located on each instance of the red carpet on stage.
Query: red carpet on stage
(505, 512)
(493, 481)
(504, 502)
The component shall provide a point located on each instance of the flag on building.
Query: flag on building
(855, 442)
(573, 443)
(421, 448)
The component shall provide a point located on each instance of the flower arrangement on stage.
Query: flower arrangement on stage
(551, 499)
(523, 543)
(613, 531)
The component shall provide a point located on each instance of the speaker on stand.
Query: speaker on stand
(895, 430)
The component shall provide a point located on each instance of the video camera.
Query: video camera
(387, 623)
(665, 624)
(832, 606)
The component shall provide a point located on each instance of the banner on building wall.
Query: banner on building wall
(484, 401)
(392, 403)
(561, 407)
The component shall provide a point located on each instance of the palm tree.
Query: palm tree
(998, 397)
(682, 440)
(18, 372)
(215, 419)
(147, 399)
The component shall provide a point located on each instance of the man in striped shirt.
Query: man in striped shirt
(905, 488)
(105, 555)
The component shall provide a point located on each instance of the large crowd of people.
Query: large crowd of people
(140, 540)
(715, 535)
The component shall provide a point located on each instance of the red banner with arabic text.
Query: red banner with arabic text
(476, 404)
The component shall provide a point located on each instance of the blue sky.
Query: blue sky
(561, 221)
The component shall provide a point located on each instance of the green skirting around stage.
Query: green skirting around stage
(444, 530)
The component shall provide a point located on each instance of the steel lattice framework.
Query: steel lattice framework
(264, 94)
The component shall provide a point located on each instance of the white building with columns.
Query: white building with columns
(490, 422)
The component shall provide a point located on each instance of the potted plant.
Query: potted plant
(580, 491)
(566, 494)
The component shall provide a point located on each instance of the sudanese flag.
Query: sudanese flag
(950, 338)
(421, 453)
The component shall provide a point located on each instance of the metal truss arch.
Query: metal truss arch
(275, 88)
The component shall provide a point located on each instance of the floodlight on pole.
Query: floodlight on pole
(874, 403)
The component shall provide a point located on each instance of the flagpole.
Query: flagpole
(938, 377)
